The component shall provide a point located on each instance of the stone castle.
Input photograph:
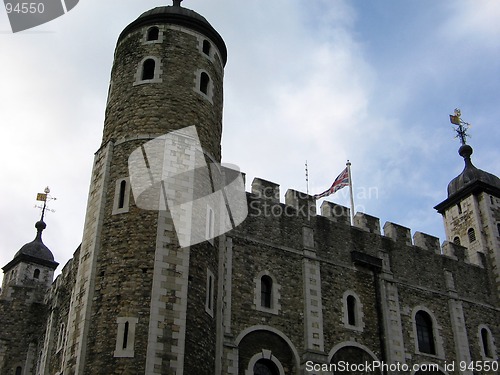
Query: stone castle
(288, 291)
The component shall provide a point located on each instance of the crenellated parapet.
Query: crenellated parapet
(302, 206)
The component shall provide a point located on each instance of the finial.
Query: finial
(44, 197)
(177, 3)
(462, 126)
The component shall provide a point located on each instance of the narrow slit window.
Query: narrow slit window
(472, 235)
(148, 69)
(351, 310)
(36, 274)
(19, 370)
(266, 286)
(204, 83)
(121, 197)
(498, 229)
(459, 207)
(125, 335)
(153, 34)
(206, 47)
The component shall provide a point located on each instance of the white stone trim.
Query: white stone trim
(197, 83)
(438, 340)
(341, 345)
(358, 312)
(79, 316)
(276, 332)
(161, 34)
(265, 354)
(210, 293)
(126, 200)
(157, 73)
(275, 294)
(313, 305)
(128, 351)
(491, 343)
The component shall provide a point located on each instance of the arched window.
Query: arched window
(456, 240)
(485, 341)
(266, 290)
(121, 197)
(351, 310)
(206, 47)
(472, 235)
(148, 69)
(459, 207)
(204, 82)
(153, 33)
(425, 335)
(265, 367)
(36, 274)
(19, 370)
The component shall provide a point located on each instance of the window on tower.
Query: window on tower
(122, 196)
(266, 289)
(36, 274)
(204, 83)
(486, 342)
(153, 33)
(471, 233)
(456, 240)
(498, 229)
(148, 69)
(425, 333)
(206, 47)
(209, 299)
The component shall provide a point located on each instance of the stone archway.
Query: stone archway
(356, 357)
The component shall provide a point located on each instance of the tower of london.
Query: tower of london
(179, 271)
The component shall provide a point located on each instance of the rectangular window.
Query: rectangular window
(209, 300)
(210, 229)
(125, 337)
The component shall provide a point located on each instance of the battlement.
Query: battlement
(304, 206)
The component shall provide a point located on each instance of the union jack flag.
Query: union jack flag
(341, 181)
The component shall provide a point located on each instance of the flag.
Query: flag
(341, 181)
(41, 197)
(455, 119)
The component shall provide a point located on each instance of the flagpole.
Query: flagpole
(348, 164)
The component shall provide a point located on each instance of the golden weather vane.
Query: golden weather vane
(45, 197)
(462, 126)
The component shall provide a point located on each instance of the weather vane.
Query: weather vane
(462, 126)
(44, 197)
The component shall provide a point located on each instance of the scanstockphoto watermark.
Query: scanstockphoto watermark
(204, 199)
(306, 204)
(25, 15)
(368, 367)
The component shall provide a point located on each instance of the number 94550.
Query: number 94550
(25, 8)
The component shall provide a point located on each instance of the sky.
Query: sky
(372, 81)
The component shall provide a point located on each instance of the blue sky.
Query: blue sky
(316, 80)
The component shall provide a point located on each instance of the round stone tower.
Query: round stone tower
(145, 299)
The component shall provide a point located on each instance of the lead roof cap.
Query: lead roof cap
(180, 16)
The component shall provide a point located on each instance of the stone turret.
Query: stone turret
(142, 291)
